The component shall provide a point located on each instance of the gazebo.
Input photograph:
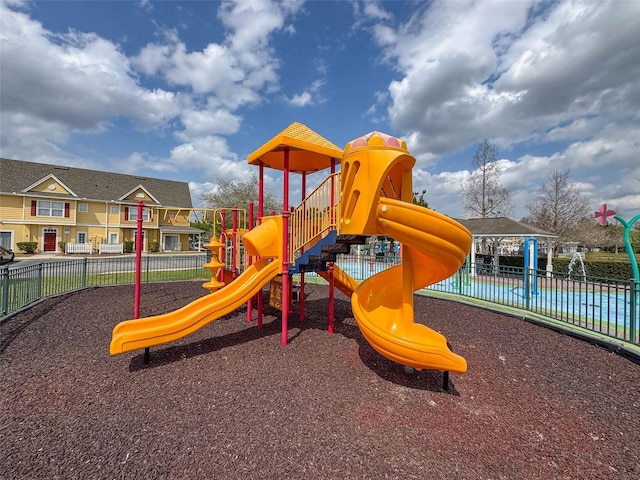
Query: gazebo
(503, 227)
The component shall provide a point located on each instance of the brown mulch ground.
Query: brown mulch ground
(229, 402)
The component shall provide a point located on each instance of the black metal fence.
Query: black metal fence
(604, 306)
(21, 286)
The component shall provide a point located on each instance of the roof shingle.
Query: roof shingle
(16, 175)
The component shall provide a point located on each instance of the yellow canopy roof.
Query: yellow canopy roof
(308, 151)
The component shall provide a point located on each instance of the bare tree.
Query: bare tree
(560, 207)
(239, 193)
(590, 234)
(484, 195)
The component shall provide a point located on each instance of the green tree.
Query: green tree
(205, 225)
(634, 237)
(484, 195)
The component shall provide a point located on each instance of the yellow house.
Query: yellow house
(90, 211)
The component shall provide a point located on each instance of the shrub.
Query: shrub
(27, 247)
(154, 246)
(127, 246)
(62, 246)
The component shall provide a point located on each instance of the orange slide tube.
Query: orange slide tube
(341, 280)
(434, 247)
(264, 241)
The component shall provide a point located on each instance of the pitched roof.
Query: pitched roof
(502, 227)
(308, 150)
(17, 175)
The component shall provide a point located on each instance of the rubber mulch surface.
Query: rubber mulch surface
(230, 402)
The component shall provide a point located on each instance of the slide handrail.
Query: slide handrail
(316, 215)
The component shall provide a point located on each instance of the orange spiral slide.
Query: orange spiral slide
(434, 247)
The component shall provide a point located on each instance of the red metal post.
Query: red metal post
(249, 263)
(331, 297)
(285, 248)
(223, 241)
(304, 219)
(331, 271)
(333, 189)
(136, 296)
(260, 215)
(234, 240)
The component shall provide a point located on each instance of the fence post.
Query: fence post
(633, 317)
(5, 290)
(527, 288)
(146, 270)
(40, 280)
(84, 272)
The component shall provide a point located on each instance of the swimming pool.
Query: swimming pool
(600, 305)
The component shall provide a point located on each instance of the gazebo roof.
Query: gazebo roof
(308, 151)
(502, 227)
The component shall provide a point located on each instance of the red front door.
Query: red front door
(49, 242)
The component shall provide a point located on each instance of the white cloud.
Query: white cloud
(95, 83)
(146, 5)
(301, 100)
(520, 74)
(235, 71)
(310, 96)
(474, 70)
(208, 121)
(65, 83)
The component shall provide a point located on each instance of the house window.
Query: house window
(113, 238)
(81, 237)
(83, 207)
(5, 239)
(133, 214)
(51, 209)
(115, 209)
(172, 243)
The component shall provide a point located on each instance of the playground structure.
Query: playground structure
(370, 195)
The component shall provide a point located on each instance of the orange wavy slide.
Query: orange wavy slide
(341, 280)
(434, 248)
(264, 241)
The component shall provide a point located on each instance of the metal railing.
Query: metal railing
(316, 215)
(21, 286)
(604, 306)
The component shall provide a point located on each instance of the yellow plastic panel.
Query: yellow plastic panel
(266, 239)
(370, 170)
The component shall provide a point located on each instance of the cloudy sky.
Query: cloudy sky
(186, 90)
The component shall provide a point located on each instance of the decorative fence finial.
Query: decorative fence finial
(602, 215)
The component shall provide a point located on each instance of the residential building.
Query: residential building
(90, 211)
